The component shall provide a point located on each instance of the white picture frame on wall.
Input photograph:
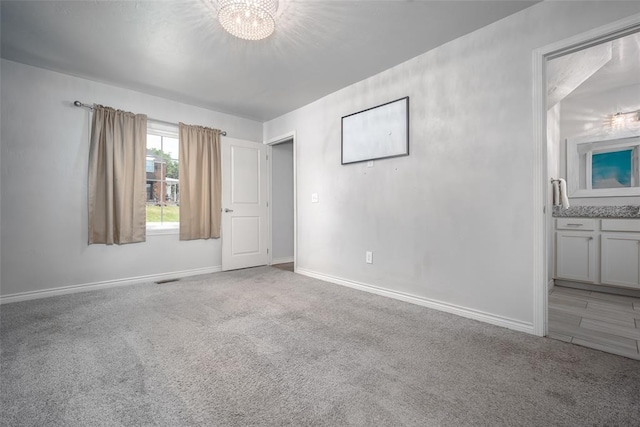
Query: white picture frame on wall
(380, 132)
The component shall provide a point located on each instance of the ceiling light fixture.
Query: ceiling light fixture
(248, 19)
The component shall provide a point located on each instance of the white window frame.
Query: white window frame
(582, 149)
(170, 131)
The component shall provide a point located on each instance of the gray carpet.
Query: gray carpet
(268, 347)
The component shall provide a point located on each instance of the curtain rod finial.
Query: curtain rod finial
(77, 103)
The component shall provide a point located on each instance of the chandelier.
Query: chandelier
(248, 19)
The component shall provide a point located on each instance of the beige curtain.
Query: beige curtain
(200, 183)
(116, 186)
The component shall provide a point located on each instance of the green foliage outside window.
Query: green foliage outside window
(172, 165)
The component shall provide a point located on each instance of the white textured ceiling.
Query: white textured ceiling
(178, 50)
(622, 70)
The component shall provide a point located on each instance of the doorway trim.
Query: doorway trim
(541, 211)
(289, 136)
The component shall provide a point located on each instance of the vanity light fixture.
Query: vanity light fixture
(617, 120)
(620, 119)
(248, 19)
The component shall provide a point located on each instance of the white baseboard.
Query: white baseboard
(550, 285)
(284, 260)
(425, 302)
(24, 296)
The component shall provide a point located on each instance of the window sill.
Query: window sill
(157, 229)
(606, 192)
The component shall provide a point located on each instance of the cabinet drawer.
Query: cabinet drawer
(575, 224)
(621, 225)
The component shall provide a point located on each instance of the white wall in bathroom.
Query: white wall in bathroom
(553, 171)
(584, 116)
(587, 116)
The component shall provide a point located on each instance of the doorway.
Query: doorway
(282, 206)
(580, 90)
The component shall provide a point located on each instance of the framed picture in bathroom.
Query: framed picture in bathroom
(603, 167)
(612, 168)
(379, 132)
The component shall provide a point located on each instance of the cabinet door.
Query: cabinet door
(621, 259)
(576, 256)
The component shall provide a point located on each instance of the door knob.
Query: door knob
(228, 210)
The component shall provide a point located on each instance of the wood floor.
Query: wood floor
(286, 266)
(601, 321)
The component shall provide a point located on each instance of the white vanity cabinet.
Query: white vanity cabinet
(598, 251)
(576, 249)
(620, 253)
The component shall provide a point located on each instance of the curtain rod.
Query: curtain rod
(81, 104)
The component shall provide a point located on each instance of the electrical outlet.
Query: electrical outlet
(369, 257)
(314, 198)
(370, 164)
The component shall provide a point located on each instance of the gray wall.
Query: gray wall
(452, 222)
(282, 201)
(45, 143)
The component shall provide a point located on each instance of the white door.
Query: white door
(244, 204)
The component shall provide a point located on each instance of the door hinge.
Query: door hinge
(267, 204)
(267, 157)
(267, 250)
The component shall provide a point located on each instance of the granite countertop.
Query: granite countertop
(628, 211)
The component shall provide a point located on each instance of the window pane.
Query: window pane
(162, 179)
(171, 213)
(170, 147)
(154, 213)
(612, 169)
(160, 168)
(154, 141)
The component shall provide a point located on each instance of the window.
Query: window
(163, 184)
(603, 168)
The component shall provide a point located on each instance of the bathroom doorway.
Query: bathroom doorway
(592, 194)
(282, 205)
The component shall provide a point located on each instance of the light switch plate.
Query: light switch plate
(370, 164)
(369, 257)
(314, 198)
